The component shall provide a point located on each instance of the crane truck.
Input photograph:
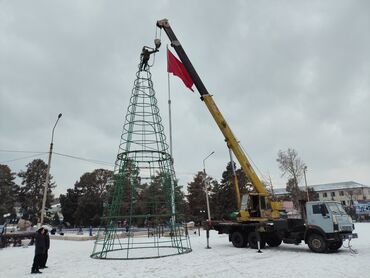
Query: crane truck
(259, 218)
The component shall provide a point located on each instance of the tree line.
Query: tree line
(84, 204)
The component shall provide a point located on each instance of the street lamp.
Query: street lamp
(47, 173)
(207, 199)
(305, 181)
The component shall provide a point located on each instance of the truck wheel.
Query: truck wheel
(334, 246)
(253, 239)
(237, 239)
(317, 243)
(273, 240)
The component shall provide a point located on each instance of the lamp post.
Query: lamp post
(305, 181)
(207, 199)
(47, 173)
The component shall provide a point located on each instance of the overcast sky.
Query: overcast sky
(285, 74)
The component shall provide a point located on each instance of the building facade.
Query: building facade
(352, 195)
(347, 193)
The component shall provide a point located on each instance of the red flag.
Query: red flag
(175, 66)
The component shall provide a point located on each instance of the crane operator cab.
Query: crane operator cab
(255, 207)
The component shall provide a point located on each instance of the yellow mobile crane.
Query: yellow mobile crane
(260, 206)
(259, 220)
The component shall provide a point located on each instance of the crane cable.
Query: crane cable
(254, 164)
(156, 37)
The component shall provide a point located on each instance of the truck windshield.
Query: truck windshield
(336, 208)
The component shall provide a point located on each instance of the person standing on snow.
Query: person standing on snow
(39, 251)
(47, 246)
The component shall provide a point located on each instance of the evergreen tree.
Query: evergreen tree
(69, 204)
(32, 189)
(92, 192)
(55, 221)
(223, 201)
(181, 204)
(8, 191)
(197, 199)
(129, 188)
(155, 198)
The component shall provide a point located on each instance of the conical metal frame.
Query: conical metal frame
(140, 220)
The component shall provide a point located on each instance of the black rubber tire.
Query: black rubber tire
(317, 243)
(334, 246)
(252, 241)
(238, 239)
(273, 240)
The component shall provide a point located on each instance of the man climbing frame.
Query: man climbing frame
(145, 56)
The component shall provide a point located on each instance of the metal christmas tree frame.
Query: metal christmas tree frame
(140, 220)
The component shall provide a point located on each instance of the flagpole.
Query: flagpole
(169, 109)
(170, 126)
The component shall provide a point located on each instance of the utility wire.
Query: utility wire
(85, 159)
(255, 166)
(24, 157)
(14, 151)
(35, 154)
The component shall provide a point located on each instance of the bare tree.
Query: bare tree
(291, 165)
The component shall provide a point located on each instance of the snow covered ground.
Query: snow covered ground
(71, 259)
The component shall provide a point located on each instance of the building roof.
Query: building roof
(325, 187)
(280, 191)
(337, 186)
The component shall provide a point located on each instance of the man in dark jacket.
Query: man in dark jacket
(47, 245)
(145, 56)
(39, 250)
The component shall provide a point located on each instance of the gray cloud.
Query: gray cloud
(284, 74)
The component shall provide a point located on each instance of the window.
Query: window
(333, 194)
(325, 194)
(335, 208)
(341, 193)
(263, 203)
(343, 203)
(316, 209)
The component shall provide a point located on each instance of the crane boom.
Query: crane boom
(215, 112)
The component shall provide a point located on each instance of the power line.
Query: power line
(24, 157)
(60, 154)
(17, 151)
(85, 159)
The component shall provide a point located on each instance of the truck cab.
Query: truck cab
(327, 225)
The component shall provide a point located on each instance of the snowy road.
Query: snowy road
(71, 259)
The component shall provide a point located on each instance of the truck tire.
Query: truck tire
(273, 240)
(253, 239)
(317, 243)
(238, 239)
(334, 246)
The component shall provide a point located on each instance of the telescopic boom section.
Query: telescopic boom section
(213, 109)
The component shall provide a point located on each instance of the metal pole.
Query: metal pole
(206, 185)
(305, 181)
(236, 185)
(169, 110)
(173, 209)
(207, 199)
(47, 173)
